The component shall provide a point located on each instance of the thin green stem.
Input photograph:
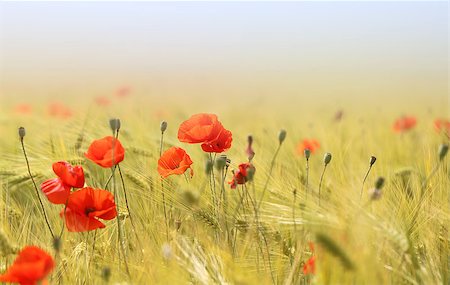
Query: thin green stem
(321, 179)
(35, 188)
(272, 164)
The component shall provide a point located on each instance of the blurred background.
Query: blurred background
(344, 54)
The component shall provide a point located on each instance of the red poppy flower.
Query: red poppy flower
(442, 125)
(310, 266)
(404, 123)
(100, 151)
(23, 109)
(242, 174)
(56, 191)
(123, 92)
(59, 110)
(86, 206)
(310, 144)
(200, 128)
(174, 161)
(102, 101)
(31, 266)
(70, 175)
(220, 144)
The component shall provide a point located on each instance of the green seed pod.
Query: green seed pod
(56, 244)
(221, 162)
(372, 160)
(163, 126)
(21, 132)
(327, 158)
(208, 166)
(250, 173)
(114, 124)
(282, 136)
(443, 149)
(307, 153)
(106, 274)
(379, 183)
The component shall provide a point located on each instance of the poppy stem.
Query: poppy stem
(272, 164)
(35, 188)
(321, 179)
(307, 177)
(162, 190)
(364, 181)
(116, 198)
(128, 208)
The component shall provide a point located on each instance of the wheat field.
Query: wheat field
(213, 234)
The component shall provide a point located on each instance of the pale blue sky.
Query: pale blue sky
(267, 38)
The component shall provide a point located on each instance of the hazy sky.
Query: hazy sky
(238, 47)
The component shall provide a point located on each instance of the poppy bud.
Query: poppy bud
(57, 244)
(379, 183)
(106, 274)
(114, 124)
(21, 132)
(307, 152)
(250, 140)
(443, 149)
(372, 160)
(208, 166)
(178, 224)
(282, 136)
(327, 158)
(250, 173)
(163, 126)
(221, 162)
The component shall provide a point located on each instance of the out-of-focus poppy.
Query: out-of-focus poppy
(199, 128)
(310, 266)
(70, 175)
(220, 144)
(443, 126)
(31, 266)
(101, 152)
(56, 191)
(102, 101)
(59, 110)
(243, 174)
(310, 144)
(123, 92)
(86, 206)
(404, 123)
(23, 109)
(175, 160)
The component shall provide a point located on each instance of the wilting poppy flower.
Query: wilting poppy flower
(442, 125)
(404, 123)
(199, 128)
(86, 206)
(59, 110)
(174, 161)
(31, 266)
(242, 175)
(310, 144)
(220, 144)
(100, 151)
(310, 266)
(102, 101)
(56, 191)
(23, 109)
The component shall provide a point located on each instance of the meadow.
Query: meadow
(272, 228)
